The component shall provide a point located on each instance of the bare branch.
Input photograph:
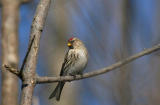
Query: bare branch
(100, 71)
(12, 70)
(26, 1)
(25, 58)
(9, 39)
(28, 73)
(22, 1)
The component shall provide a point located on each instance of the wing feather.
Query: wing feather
(68, 62)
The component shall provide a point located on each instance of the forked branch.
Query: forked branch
(40, 80)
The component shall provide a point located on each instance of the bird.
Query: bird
(75, 62)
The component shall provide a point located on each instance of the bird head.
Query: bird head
(74, 43)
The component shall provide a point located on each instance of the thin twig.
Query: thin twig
(25, 58)
(12, 70)
(16, 71)
(41, 80)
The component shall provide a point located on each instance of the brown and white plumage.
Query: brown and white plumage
(74, 63)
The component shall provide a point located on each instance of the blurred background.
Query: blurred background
(111, 30)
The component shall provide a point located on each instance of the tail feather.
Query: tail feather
(53, 94)
(57, 92)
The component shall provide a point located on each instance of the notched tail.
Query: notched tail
(57, 92)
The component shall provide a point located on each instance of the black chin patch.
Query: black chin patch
(71, 47)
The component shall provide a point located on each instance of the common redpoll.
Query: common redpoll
(74, 63)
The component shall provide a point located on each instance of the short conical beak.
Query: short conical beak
(69, 44)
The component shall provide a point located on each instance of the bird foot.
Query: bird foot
(74, 76)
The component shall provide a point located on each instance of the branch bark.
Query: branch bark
(28, 73)
(22, 1)
(40, 80)
(10, 20)
(12, 70)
